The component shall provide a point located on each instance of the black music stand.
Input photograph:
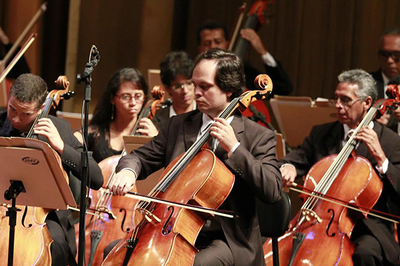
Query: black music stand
(31, 171)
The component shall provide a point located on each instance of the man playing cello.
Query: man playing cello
(356, 92)
(246, 148)
(26, 101)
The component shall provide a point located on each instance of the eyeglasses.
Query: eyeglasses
(386, 54)
(180, 86)
(344, 103)
(126, 97)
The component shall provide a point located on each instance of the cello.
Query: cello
(33, 240)
(165, 234)
(112, 215)
(323, 222)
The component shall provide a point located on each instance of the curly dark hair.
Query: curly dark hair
(102, 115)
(230, 71)
(29, 88)
(175, 64)
(211, 24)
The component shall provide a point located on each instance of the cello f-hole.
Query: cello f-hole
(123, 221)
(24, 217)
(330, 222)
(167, 226)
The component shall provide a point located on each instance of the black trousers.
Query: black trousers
(63, 249)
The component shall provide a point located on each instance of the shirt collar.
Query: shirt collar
(347, 128)
(172, 110)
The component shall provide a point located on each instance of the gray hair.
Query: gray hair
(366, 83)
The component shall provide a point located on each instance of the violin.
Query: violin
(110, 217)
(165, 234)
(322, 221)
(32, 238)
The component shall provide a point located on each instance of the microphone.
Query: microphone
(94, 58)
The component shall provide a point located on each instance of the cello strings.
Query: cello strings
(176, 169)
(335, 168)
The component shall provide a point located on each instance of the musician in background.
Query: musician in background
(389, 60)
(21, 66)
(246, 148)
(176, 72)
(213, 34)
(116, 114)
(26, 99)
(356, 92)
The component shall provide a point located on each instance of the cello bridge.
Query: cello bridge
(310, 214)
(149, 216)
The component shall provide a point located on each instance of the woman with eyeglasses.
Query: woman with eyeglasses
(116, 114)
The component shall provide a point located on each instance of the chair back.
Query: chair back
(274, 218)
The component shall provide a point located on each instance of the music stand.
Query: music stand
(132, 143)
(297, 115)
(41, 179)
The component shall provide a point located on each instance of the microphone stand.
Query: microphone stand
(85, 155)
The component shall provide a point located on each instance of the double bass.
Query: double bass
(324, 223)
(255, 18)
(33, 240)
(109, 217)
(165, 234)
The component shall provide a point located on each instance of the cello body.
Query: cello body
(116, 216)
(327, 241)
(32, 241)
(116, 212)
(206, 182)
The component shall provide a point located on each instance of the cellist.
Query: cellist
(245, 147)
(116, 114)
(26, 98)
(356, 92)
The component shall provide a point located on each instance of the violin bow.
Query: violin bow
(17, 57)
(339, 202)
(40, 12)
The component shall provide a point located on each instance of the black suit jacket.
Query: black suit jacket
(325, 140)
(377, 75)
(254, 166)
(280, 80)
(161, 117)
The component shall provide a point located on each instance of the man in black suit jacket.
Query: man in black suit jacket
(389, 60)
(26, 98)
(246, 148)
(373, 238)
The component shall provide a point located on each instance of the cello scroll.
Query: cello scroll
(262, 82)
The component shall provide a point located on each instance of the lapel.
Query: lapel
(191, 128)
(379, 84)
(238, 127)
(334, 139)
(362, 149)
